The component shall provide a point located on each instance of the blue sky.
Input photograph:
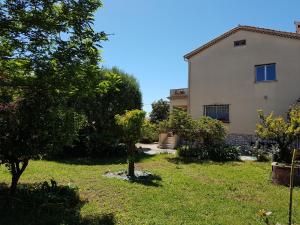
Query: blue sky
(151, 37)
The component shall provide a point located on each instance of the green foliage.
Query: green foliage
(280, 131)
(204, 138)
(163, 126)
(149, 132)
(131, 124)
(262, 152)
(181, 124)
(47, 203)
(49, 60)
(118, 92)
(218, 153)
(160, 111)
(209, 131)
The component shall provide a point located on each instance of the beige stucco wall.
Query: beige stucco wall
(223, 74)
(178, 102)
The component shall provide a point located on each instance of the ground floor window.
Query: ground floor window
(219, 112)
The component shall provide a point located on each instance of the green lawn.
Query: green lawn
(186, 193)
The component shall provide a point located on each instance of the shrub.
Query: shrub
(181, 124)
(164, 127)
(263, 151)
(209, 131)
(149, 132)
(283, 133)
(219, 153)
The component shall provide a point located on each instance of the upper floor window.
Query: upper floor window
(239, 43)
(219, 112)
(265, 72)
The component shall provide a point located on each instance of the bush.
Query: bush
(163, 126)
(263, 151)
(218, 153)
(149, 132)
(181, 124)
(283, 133)
(209, 131)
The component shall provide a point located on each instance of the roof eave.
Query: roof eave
(246, 28)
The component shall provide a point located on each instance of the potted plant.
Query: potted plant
(283, 133)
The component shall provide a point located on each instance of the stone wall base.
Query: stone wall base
(244, 141)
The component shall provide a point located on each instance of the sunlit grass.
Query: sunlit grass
(188, 193)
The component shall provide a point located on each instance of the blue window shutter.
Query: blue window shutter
(271, 72)
(260, 73)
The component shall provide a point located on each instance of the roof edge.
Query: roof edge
(245, 28)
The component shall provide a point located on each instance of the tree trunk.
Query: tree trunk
(16, 173)
(14, 183)
(131, 161)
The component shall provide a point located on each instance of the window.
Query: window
(265, 72)
(239, 43)
(219, 112)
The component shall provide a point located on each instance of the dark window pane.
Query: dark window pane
(260, 73)
(211, 112)
(239, 43)
(271, 72)
(219, 112)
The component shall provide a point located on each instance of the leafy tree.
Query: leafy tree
(282, 132)
(120, 92)
(160, 111)
(48, 63)
(149, 132)
(131, 124)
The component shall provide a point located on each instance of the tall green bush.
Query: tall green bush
(115, 92)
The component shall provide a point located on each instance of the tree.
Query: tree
(131, 124)
(121, 93)
(160, 111)
(48, 62)
(282, 132)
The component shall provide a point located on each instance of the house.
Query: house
(241, 71)
(178, 98)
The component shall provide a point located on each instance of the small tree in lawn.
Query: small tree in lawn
(282, 132)
(131, 123)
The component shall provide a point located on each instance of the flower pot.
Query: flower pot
(281, 174)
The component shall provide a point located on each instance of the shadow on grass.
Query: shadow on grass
(100, 161)
(141, 177)
(150, 180)
(46, 204)
(181, 160)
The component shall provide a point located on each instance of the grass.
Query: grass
(187, 193)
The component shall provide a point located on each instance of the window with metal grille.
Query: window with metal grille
(219, 112)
